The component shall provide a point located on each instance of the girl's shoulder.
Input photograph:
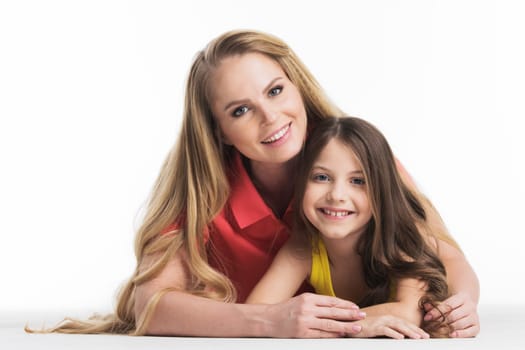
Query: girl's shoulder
(298, 248)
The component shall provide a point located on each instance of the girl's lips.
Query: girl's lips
(278, 135)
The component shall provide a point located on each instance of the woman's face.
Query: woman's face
(258, 109)
(335, 199)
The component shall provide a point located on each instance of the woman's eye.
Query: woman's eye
(275, 91)
(320, 177)
(357, 181)
(240, 111)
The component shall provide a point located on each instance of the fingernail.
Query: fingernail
(356, 328)
(362, 314)
(428, 317)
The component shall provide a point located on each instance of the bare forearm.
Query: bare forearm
(305, 316)
(182, 314)
(408, 312)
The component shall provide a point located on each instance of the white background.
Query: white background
(91, 96)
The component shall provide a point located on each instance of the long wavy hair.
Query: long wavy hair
(193, 185)
(393, 245)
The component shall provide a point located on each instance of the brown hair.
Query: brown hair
(393, 246)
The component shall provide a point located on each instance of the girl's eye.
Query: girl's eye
(320, 177)
(357, 181)
(240, 111)
(275, 91)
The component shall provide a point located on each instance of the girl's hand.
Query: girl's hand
(388, 326)
(313, 316)
(460, 313)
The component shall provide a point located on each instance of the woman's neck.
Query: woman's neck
(274, 182)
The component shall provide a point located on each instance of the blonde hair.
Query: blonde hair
(193, 185)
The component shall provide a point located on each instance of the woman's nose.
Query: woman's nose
(268, 114)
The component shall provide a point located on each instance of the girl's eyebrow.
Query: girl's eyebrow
(320, 167)
(244, 100)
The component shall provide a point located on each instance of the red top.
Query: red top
(246, 234)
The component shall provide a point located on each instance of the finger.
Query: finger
(438, 311)
(466, 333)
(449, 304)
(338, 327)
(465, 322)
(336, 313)
(391, 333)
(462, 323)
(455, 300)
(427, 307)
(317, 333)
(411, 331)
(457, 314)
(325, 300)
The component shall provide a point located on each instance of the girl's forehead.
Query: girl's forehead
(338, 153)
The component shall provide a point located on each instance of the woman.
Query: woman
(219, 211)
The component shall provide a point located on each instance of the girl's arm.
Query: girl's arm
(406, 305)
(398, 319)
(287, 272)
(182, 314)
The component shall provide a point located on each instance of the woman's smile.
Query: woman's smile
(279, 137)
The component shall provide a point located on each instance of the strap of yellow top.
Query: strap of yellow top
(320, 277)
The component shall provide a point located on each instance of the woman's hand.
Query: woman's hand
(388, 326)
(460, 313)
(313, 316)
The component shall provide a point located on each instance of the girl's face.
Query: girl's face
(258, 109)
(336, 200)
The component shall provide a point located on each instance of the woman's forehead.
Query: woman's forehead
(243, 74)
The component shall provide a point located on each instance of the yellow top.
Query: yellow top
(320, 277)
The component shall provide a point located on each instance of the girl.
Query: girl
(359, 233)
(219, 211)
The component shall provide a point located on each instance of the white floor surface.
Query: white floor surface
(502, 327)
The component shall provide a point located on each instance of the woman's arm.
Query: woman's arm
(182, 314)
(461, 307)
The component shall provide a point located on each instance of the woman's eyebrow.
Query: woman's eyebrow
(271, 83)
(235, 102)
(244, 100)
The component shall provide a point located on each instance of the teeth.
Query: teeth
(336, 213)
(278, 135)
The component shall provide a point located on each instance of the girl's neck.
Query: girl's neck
(346, 268)
(274, 182)
(340, 251)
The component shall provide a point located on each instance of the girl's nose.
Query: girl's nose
(338, 192)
